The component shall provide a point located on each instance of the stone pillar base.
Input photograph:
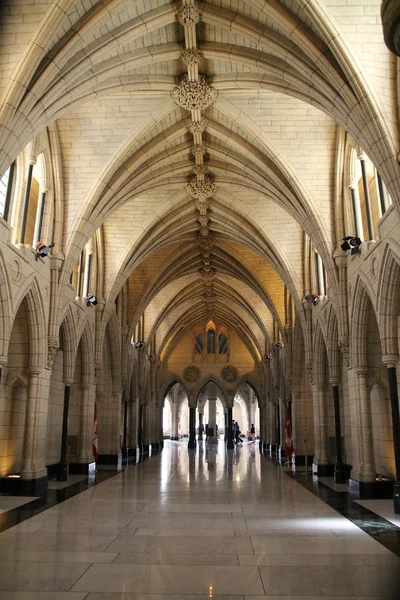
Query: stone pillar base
(370, 490)
(299, 460)
(145, 449)
(342, 473)
(155, 447)
(110, 459)
(323, 470)
(192, 444)
(82, 468)
(174, 438)
(16, 486)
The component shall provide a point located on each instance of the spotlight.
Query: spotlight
(278, 345)
(42, 250)
(91, 300)
(351, 243)
(312, 298)
(139, 345)
(268, 356)
(151, 357)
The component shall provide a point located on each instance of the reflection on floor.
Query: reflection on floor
(60, 485)
(195, 526)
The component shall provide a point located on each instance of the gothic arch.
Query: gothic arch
(388, 300)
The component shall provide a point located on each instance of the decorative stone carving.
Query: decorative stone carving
(97, 371)
(203, 220)
(201, 189)
(208, 274)
(198, 127)
(198, 150)
(229, 374)
(189, 15)
(202, 207)
(194, 95)
(204, 231)
(206, 243)
(191, 374)
(52, 347)
(190, 56)
(345, 350)
(310, 371)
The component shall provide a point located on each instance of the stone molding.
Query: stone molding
(189, 15)
(201, 189)
(191, 374)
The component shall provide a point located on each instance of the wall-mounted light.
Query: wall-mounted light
(91, 300)
(43, 250)
(139, 345)
(278, 345)
(312, 298)
(351, 243)
(268, 356)
(151, 357)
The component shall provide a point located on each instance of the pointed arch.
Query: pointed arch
(388, 301)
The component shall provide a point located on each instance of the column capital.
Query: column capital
(68, 380)
(390, 360)
(34, 371)
(334, 381)
(361, 371)
(85, 386)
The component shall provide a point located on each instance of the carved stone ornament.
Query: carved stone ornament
(189, 15)
(52, 347)
(198, 150)
(345, 350)
(201, 189)
(229, 374)
(97, 371)
(190, 56)
(206, 243)
(204, 231)
(209, 274)
(310, 371)
(191, 374)
(202, 207)
(198, 127)
(194, 95)
(203, 220)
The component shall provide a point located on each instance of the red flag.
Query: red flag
(95, 431)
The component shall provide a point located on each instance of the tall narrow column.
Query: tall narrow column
(133, 426)
(124, 448)
(365, 470)
(341, 475)
(145, 429)
(355, 201)
(25, 206)
(212, 409)
(85, 430)
(32, 471)
(229, 444)
(261, 429)
(63, 466)
(140, 427)
(201, 426)
(192, 428)
(174, 421)
(321, 437)
(394, 404)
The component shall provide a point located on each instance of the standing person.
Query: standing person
(253, 433)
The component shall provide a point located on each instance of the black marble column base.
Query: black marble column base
(342, 473)
(174, 438)
(110, 459)
(155, 447)
(299, 460)
(16, 486)
(192, 444)
(145, 449)
(396, 497)
(273, 448)
(230, 445)
(132, 452)
(372, 490)
(323, 470)
(82, 468)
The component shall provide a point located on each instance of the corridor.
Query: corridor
(206, 524)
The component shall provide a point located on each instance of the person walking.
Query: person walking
(253, 433)
(237, 433)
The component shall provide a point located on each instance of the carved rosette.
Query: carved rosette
(206, 243)
(345, 350)
(191, 374)
(198, 150)
(201, 189)
(52, 347)
(190, 56)
(189, 15)
(194, 95)
(229, 374)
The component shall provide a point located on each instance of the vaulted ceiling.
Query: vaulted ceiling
(201, 137)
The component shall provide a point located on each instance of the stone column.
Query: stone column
(110, 440)
(282, 424)
(133, 425)
(63, 465)
(321, 457)
(364, 468)
(212, 409)
(341, 475)
(85, 456)
(272, 426)
(145, 429)
(125, 401)
(391, 362)
(174, 421)
(192, 428)
(201, 426)
(229, 444)
(33, 470)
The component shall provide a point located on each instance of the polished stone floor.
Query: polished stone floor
(195, 526)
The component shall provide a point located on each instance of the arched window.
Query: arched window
(6, 183)
(222, 343)
(211, 341)
(199, 343)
